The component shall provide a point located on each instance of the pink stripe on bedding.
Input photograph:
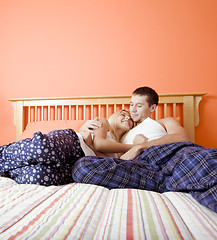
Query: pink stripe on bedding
(129, 216)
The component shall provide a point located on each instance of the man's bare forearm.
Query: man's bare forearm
(170, 138)
(136, 150)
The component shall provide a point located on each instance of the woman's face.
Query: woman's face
(124, 121)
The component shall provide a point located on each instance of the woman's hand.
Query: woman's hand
(140, 138)
(132, 153)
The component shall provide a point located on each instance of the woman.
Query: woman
(48, 159)
(106, 140)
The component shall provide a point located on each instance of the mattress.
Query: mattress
(85, 211)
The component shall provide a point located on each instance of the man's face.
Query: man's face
(139, 108)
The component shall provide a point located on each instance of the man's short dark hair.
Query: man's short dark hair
(152, 96)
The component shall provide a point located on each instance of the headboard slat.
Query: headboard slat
(36, 113)
(165, 109)
(63, 112)
(70, 112)
(49, 113)
(42, 113)
(99, 110)
(29, 114)
(174, 110)
(76, 113)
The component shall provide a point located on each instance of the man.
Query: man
(163, 161)
(143, 102)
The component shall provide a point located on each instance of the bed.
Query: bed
(86, 211)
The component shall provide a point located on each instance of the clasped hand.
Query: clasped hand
(137, 149)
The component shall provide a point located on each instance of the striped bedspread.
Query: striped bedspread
(82, 211)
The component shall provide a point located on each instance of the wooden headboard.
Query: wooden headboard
(182, 106)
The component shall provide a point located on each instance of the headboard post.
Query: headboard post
(189, 116)
(18, 117)
(197, 100)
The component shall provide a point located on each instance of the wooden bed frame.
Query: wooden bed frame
(183, 106)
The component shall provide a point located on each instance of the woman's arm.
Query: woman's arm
(87, 137)
(102, 144)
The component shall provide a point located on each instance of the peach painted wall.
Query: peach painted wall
(54, 48)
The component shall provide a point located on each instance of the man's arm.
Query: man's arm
(175, 133)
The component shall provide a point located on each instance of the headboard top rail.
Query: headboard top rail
(105, 97)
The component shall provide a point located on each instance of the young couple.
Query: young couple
(119, 127)
(128, 133)
(160, 156)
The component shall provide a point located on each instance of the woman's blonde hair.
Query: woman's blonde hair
(113, 124)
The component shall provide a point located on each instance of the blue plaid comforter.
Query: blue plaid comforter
(183, 166)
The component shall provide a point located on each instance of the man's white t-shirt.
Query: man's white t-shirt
(149, 128)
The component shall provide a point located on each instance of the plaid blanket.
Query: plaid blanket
(183, 166)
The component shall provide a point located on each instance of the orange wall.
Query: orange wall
(94, 47)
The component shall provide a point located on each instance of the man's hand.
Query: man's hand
(90, 125)
(87, 136)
